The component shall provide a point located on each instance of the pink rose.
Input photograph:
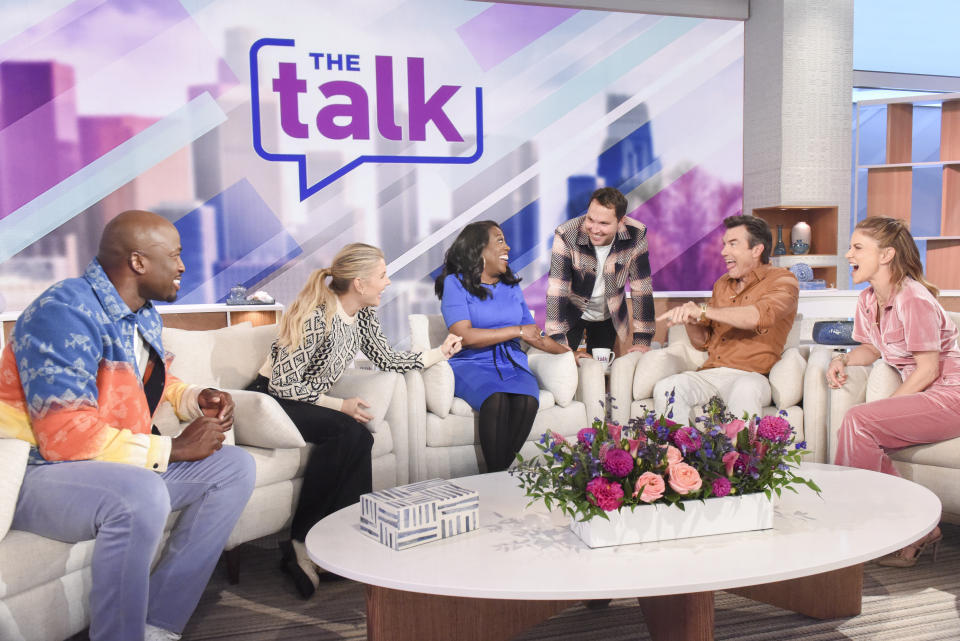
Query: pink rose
(729, 460)
(614, 430)
(651, 485)
(684, 478)
(673, 456)
(733, 428)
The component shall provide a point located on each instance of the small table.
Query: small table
(524, 564)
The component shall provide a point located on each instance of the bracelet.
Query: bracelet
(703, 313)
(842, 357)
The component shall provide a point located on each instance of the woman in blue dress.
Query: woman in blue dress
(482, 302)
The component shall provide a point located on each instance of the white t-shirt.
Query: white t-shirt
(597, 306)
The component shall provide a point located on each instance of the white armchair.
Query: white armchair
(935, 466)
(634, 375)
(443, 428)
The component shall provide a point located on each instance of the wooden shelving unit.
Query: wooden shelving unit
(822, 257)
(890, 185)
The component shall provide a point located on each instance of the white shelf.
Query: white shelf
(928, 163)
(814, 260)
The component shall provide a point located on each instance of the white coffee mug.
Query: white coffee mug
(604, 356)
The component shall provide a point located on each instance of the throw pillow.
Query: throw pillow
(556, 373)
(376, 388)
(168, 424)
(438, 386)
(882, 381)
(651, 367)
(13, 463)
(786, 379)
(260, 421)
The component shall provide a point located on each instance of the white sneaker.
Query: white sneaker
(153, 633)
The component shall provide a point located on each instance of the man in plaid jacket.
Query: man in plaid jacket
(594, 257)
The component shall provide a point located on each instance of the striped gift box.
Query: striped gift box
(409, 515)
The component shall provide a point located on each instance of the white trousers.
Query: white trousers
(742, 391)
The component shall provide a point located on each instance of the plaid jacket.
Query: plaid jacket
(573, 271)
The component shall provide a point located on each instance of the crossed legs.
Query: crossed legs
(742, 391)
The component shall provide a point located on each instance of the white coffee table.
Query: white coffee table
(524, 564)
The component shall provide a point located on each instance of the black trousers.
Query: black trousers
(339, 469)
(599, 334)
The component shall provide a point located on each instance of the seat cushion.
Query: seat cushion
(942, 454)
(19, 552)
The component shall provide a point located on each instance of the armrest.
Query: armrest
(591, 389)
(556, 373)
(13, 464)
(853, 392)
(621, 385)
(416, 426)
(815, 404)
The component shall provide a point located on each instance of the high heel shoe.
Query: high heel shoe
(298, 565)
(899, 559)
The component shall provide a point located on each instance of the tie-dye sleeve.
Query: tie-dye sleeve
(81, 406)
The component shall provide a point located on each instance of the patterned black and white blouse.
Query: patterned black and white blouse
(307, 372)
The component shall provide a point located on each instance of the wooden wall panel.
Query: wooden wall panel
(899, 133)
(950, 130)
(943, 263)
(889, 192)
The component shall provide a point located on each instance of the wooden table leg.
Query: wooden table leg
(830, 595)
(679, 617)
(396, 615)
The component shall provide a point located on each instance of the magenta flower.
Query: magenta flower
(774, 428)
(618, 462)
(634, 445)
(604, 493)
(721, 486)
(586, 435)
(687, 439)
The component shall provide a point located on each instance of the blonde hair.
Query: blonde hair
(356, 260)
(893, 232)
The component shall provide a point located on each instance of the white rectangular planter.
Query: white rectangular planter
(663, 522)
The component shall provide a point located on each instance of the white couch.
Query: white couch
(935, 466)
(634, 375)
(46, 600)
(444, 440)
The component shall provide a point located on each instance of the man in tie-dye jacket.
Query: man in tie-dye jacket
(80, 380)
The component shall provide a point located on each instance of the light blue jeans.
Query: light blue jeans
(125, 509)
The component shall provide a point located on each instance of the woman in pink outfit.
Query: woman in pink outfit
(899, 320)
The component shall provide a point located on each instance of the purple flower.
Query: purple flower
(586, 435)
(721, 486)
(774, 428)
(618, 462)
(687, 439)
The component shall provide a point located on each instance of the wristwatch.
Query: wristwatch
(703, 313)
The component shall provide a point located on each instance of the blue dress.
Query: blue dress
(480, 372)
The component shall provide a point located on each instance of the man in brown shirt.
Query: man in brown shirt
(743, 327)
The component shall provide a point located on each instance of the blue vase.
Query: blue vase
(834, 332)
(779, 249)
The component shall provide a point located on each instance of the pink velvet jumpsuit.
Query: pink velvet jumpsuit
(913, 321)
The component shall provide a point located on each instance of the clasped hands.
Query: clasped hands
(206, 434)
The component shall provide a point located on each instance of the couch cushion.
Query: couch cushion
(942, 454)
(556, 373)
(167, 423)
(227, 357)
(651, 367)
(13, 463)
(19, 552)
(274, 466)
(459, 407)
(451, 431)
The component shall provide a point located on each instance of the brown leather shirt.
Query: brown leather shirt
(774, 292)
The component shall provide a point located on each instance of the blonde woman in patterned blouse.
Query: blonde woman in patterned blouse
(331, 320)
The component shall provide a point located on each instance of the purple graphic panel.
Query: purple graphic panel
(42, 140)
(504, 29)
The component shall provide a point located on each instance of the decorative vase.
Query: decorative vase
(800, 238)
(802, 271)
(662, 522)
(238, 295)
(779, 249)
(839, 332)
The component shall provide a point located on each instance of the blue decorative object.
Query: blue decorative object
(802, 271)
(238, 295)
(799, 247)
(816, 283)
(838, 332)
(779, 249)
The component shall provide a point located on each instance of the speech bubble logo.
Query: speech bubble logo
(307, 188)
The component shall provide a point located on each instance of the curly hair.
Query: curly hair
(465, 259)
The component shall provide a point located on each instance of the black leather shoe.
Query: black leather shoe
(289, 565)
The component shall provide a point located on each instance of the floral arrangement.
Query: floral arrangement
(655, 460)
